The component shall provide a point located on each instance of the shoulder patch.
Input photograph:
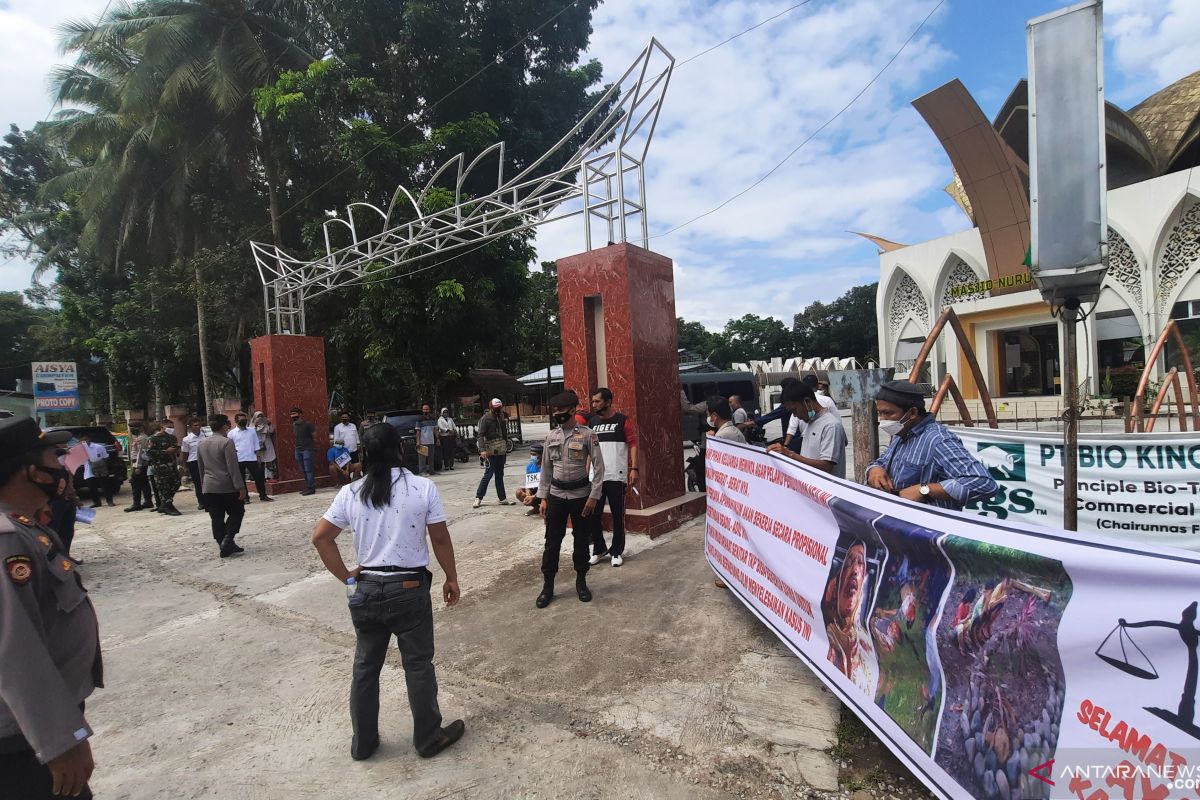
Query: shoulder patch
(19, 568)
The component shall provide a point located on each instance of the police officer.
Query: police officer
(163, 453)
(49, 640)
(565, 490)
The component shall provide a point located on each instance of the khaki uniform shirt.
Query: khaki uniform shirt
(565, 457)
(49, 641)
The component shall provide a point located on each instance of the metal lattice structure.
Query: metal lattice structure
(604, 181)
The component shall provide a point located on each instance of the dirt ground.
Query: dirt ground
(230, 678)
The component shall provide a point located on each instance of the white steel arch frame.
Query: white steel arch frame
(604, 181)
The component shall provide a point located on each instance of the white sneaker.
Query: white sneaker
(508, 502)
(478, 502)
(617, 561)
(594, 560)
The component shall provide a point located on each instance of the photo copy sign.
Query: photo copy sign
(55, 386)
(995, 659)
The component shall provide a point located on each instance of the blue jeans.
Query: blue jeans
(305, 459)
(495, 466)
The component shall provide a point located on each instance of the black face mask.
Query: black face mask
(52, 490)
(562, 418)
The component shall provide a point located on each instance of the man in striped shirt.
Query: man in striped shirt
(924, 462)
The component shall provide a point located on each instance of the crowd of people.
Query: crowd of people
(49, 650)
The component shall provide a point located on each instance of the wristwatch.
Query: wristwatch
(924, 490)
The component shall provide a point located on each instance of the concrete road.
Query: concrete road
(230, 678)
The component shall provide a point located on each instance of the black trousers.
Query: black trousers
(446, 451)
(614, 493)
(380, 609)
(558, 511)
(23, 777)
(100, 488)
(225, 510)
(254, 471)
(193, 468)
(62, 520)
(139, 482)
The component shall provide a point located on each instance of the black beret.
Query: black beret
(567, 399)
(20, 435)
(903, 394)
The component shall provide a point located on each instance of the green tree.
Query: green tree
(695, 339)
(18, 350)
(753, 338)
(845, 327)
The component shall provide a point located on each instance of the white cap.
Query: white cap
(496, 403)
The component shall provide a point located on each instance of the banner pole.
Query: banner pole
(1070, 415)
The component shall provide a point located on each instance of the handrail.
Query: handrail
(1138, 422)
(914, 375)
(949, 385)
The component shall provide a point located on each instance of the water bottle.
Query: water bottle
(351, 586)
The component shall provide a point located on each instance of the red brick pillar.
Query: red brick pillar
(617, 311)
(290, 371)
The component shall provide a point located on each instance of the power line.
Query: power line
(690, 59)
(812, 135)
(446, 97)
(756, 26)
(761, 179)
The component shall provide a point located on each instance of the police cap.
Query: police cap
(567, 399)
(902, 394)
(21, 435)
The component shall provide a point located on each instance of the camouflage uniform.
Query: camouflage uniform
(164, 465)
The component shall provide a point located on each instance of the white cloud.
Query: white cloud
(733, 114)
(28, 51)
(1154, 43)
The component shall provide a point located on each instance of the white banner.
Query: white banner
(1140, 487)
(997, 660)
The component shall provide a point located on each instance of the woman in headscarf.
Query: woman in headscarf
(266, 435)
(850, 646)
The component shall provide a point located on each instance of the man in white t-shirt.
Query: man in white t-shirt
(99, 486)
(822, 438)
(390, 510)
(740, 417)
(345, 434)
(190, 446)
(246, 440)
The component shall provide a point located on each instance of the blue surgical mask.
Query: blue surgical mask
(810, 415)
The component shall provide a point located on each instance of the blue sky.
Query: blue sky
(733, 114)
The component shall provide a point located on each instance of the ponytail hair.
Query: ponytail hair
(383, 453)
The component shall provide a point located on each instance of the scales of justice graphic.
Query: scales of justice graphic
(1127, 662)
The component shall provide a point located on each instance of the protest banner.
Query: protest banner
(995, 659)
(1140, 487)
(55, 386)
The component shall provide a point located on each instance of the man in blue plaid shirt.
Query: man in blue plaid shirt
(924, 462)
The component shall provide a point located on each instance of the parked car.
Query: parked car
(118, 470)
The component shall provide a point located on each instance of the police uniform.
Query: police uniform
(166, 470)
(49, 655)
(565, 487)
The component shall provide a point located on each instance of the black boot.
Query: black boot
(581, 589)
(171, 511)
(229, 547)
(134, 507)
(546, 596)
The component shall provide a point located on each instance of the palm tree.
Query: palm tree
(167, 87)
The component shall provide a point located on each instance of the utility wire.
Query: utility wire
(368, 281)
(812, 135)
(756, 26)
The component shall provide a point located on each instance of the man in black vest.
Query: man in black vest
(618, 443)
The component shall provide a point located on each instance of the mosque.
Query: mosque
(1153, 166)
